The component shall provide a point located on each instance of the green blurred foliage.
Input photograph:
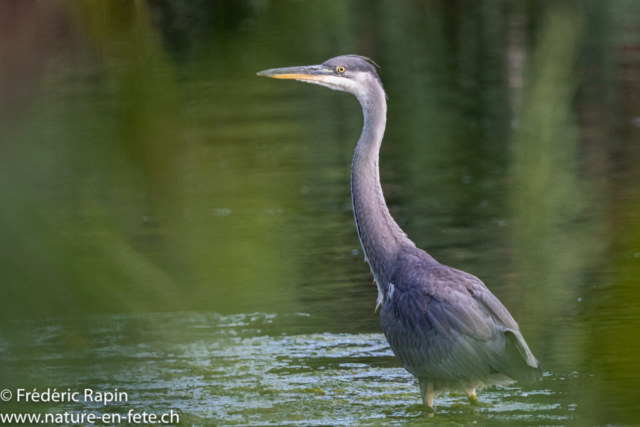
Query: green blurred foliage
(144, 167)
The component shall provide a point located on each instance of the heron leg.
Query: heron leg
(426, 391)
(473, 397)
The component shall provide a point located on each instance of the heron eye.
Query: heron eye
(341, 69)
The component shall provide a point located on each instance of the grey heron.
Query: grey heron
(443, 324)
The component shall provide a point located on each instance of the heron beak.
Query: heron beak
(305, 73)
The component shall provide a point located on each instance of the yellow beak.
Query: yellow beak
(310, 72)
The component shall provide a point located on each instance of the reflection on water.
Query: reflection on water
(246, 369)
(145, 169)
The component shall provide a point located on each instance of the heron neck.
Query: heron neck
(380, 236)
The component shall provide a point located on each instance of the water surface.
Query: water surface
(174, 226)
(256, 368)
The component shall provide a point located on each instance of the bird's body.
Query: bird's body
(443, 324)
(448, 329)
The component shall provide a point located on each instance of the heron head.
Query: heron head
(350, 73)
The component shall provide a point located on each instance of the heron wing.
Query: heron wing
(444, 323)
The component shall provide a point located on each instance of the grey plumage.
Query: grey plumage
(443, 324)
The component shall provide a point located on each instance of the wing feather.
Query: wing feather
(445, 324)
